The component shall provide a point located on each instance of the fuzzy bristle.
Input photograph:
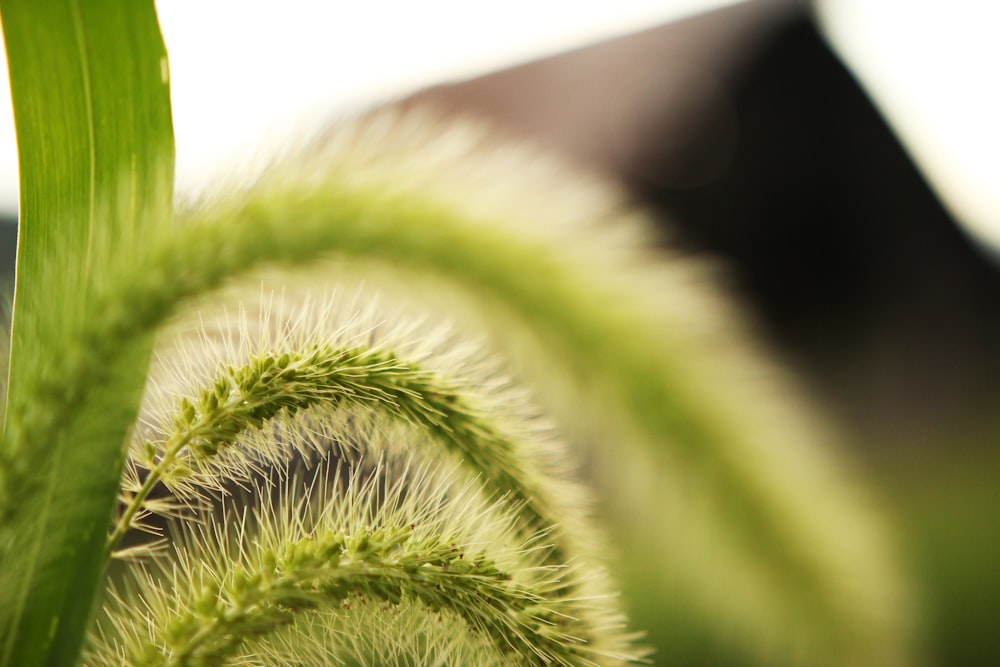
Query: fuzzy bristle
(310, 379)
(409, 539)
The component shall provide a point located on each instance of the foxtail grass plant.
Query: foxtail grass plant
(339, 414)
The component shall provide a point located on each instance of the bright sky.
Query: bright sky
(244, 72)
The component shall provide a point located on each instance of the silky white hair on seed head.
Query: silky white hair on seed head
(193, 353)
(197, 348)
(429, 500)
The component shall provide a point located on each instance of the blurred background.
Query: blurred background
(840, 159)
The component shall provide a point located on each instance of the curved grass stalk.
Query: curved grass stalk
(208, 396)
(416, 539)
(246, 397)
(328, 570)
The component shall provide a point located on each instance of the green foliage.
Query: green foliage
(91, 98)
(395, 534)
(247, 397)
(718, 477)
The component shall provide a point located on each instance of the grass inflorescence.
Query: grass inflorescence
(397, 533)
(234, 402)
(625, 348)
(246, 397)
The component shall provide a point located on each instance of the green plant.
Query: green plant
(436, 498)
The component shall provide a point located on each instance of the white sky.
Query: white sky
(244, 72)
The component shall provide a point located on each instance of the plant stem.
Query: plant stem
(135, 503)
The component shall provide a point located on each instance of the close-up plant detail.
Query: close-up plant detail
(361, 408)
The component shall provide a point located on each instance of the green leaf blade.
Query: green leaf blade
(91, 99)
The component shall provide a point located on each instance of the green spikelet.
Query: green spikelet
(253, 397)
(400, 538)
